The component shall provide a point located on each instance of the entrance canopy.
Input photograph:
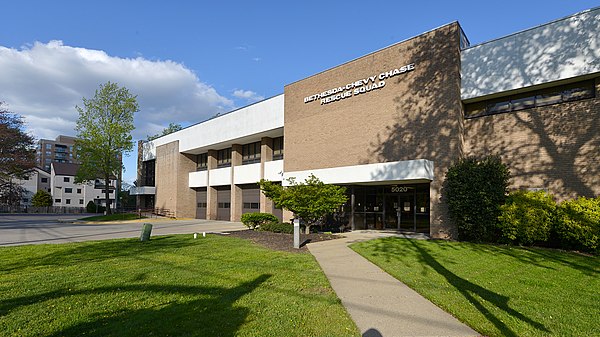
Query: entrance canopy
(390, 172)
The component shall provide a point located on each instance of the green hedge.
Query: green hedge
(474, 190)
(278, 227)
(254, 220)
(578, 224)
(91, 208)
(527, 217)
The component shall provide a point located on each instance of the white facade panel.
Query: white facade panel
(251, 120)
(220, 177)
(198, 179)
(246, 174)
(558, 50)
(274, 170)
(392, 172)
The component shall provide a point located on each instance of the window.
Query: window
(224, 158)
(251, 153)
(79, 191)
(278, 148)
(68, 201)
(81, 201)
(66, 179)
(202, 162)
(57, 201)
(542, 97)
(48, 146)
(68, 190)
(44, 180)
(109, 191)
(48, 153)
(26, 178)
(224, 205)
(201, 205)
(252, 205)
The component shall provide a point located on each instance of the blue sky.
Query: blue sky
(188, 60)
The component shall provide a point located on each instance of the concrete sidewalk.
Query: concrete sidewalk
(379, 304)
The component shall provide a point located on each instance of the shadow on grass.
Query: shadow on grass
(66, 254)
(212, 313)
(472, 292)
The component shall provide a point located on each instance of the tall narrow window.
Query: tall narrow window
(278, 148)
(224, 158)
(202, 162)
(251, 153)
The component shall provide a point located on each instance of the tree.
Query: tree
(173, 127)
(17, 154)
(104, 134)
(311, 201)
(41, 198)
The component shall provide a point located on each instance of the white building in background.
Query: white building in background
(65, 192)
(38, 179)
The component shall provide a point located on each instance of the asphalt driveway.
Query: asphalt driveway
(23, 229)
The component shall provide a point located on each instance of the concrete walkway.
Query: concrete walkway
(379, 304)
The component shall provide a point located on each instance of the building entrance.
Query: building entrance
(397, 207)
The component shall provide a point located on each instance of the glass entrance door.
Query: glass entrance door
(400, 212)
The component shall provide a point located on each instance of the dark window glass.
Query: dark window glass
(202, 162)
(278, 148)
(66, 179)
(68, 190)
(44, 180)
(57, 200)
(201, 205)
(224, 158)
(548, 98)
(251, 153)
(538, 98)
(68, 201)
(79, 190)
(522, 103)
(81, 201)
(224, 205)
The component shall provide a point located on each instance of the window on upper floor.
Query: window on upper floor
(541, 97)
(68, 190)
(251, 153)
(224, 158)
(278, 148)
(44, 180)
(202, 162)
(66, 179)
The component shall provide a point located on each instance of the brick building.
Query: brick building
(387, 126)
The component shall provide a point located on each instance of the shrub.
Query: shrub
(278, 227)
(474, 190)
(91, 208)
(578, 225)
(41, 198)
(527, 217)
(253, 220)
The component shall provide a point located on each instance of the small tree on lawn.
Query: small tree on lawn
(104, 134)
(41, 198)
(311, 200)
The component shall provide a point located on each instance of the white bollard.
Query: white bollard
(297, 233)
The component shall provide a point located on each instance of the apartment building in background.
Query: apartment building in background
(65, 192)
(60, 150)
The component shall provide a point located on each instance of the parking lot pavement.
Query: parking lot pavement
(58, 228)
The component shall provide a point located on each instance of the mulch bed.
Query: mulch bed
(280, 241)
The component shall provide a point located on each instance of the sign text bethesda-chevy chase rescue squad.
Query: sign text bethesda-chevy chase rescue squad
(358, 87)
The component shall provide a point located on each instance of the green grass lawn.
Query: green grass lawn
(498, 290)
(113, 217)
(169, 286)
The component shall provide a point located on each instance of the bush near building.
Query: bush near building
(41, 198)
(278, 227)
(254, 220)
(474, 191)
(91, 207)
(577, 224)
(527, 217)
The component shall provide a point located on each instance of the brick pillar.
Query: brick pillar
(236, 191)
(266, 154)
(211, 192)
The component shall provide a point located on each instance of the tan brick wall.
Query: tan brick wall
(556, 147)
(416, 115)
(172, 181)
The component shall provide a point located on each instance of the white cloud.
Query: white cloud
(248, 95)
(45, 81)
